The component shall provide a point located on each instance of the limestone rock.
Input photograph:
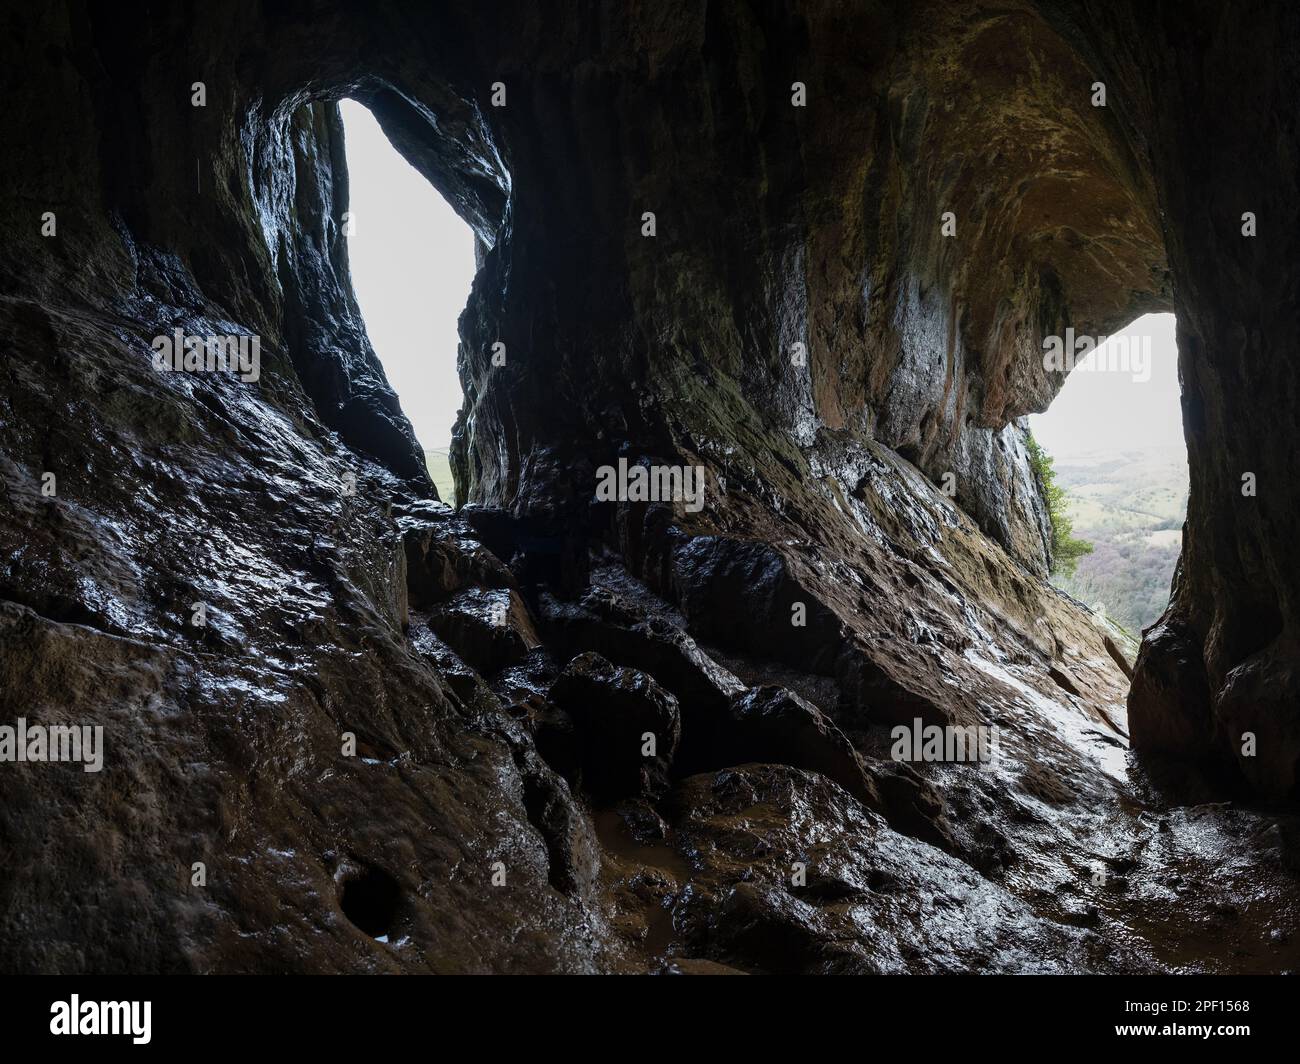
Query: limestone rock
(616, 713)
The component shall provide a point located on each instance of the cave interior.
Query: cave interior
(808, 250)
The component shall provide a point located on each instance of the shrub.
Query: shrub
(1066, 550)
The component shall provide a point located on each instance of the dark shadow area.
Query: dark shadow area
(369, 899)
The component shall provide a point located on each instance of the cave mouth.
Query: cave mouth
(1113, 442)
(412, 263)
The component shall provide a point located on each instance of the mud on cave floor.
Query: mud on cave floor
(1152, 885)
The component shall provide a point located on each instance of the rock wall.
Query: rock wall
(483, 819)
(1220, 666)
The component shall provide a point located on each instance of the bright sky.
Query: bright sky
(412, 266)
(1112, 409)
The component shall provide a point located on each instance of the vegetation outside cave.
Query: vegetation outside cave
(1113, 461)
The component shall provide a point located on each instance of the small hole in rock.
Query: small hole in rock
(369, 900)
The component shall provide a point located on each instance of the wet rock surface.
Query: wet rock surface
(401, 738)
(625, 725)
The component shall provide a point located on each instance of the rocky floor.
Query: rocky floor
(1062, 854)
(495, 809)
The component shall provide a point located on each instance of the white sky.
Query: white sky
(412, 266)
(1109, 410)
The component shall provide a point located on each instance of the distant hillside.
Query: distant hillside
(1131, 506)
(439, 466)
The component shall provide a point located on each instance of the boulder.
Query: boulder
(490, 628)
(619, 715)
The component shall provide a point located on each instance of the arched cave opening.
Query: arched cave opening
(411, 259)
(1111, 448)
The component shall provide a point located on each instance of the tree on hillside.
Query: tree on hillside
(1066, 549)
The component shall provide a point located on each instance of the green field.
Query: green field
(439, 466)
(1131, 506)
